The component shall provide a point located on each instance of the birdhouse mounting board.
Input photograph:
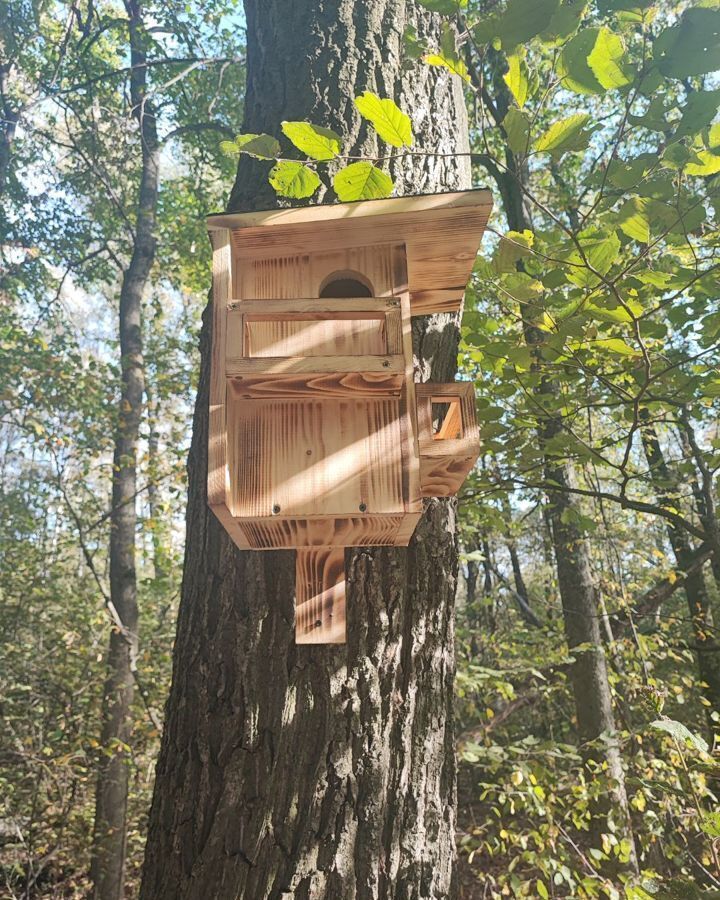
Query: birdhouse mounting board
(319, 437)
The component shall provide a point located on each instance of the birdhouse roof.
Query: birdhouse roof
(441, 232)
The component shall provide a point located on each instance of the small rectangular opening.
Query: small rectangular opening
(446, 418)
(308, 334)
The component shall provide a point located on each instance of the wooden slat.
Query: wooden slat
(331, 384)
(347, 308)
(232, 526)
(425, 206)
(320, 596)
(444, 476)
(314, 457)
(410, 448)
(291, 365)
(217, 450)
(407, 528)
(429, 302)
(275, 532)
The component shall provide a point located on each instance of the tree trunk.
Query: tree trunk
(589, 673)
(110, 833)
(289, 771)
(698, 600)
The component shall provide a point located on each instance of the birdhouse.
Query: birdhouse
(319, 438)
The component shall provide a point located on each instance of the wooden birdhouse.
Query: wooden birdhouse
(319, 438)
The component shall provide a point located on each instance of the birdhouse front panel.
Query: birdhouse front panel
(319, 437)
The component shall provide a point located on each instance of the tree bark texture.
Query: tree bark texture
(317, 772)
(110, 832)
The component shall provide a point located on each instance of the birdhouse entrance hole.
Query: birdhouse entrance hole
(346, 284)
(447, 419)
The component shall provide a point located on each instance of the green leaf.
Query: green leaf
(512, 247)
(573, 68)
(516, 78)
(692, 47)
(261, 146)
(605, 60)
(699, 111)
(680, 733)
(567, 134)
(523, 19)
(565, 21)
(362, 181)
(615, 345)
(447, 56)
(633, 219)
(391, 123)
(293, 179)
(313, 140)
(517, 129)
(444, 7)
(600, 250)
(542, 891)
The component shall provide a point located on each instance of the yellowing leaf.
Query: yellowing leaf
(605, 60)
(293, 179)
(318, 143)
(615, 345)
(567, 134)
(517, 129)
(386, 117)
(516, 78)
(447, 56)
(261, 146)
(362, 181)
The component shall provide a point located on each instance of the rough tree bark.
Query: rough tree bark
(298, 772)
(596, 726)
(110, 833)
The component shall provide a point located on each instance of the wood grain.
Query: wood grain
(318, 385)
(275, 532)
(217, 459)
(314, 457)
(311, 365)
(320, 596)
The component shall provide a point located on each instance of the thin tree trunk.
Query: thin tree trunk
(698, 600)
(589, 673)
(110, 834)
(298, 772)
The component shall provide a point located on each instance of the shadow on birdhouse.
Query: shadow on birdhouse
(319, 438)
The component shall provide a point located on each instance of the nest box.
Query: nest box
(319, 439)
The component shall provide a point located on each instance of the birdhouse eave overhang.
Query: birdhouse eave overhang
(441, 233)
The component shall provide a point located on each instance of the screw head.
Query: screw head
(362, 507)
(276, 509)
(386, 363)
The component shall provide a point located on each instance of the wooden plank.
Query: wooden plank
(362, 530)
(217, 443)
(347, 308)
(407, 528)
(332, 384)
(429, 302)
(320, 596)
(232, 526)
(315, 457)
(424, 205)
(410, 446)
(291, 365)
(444, 476)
